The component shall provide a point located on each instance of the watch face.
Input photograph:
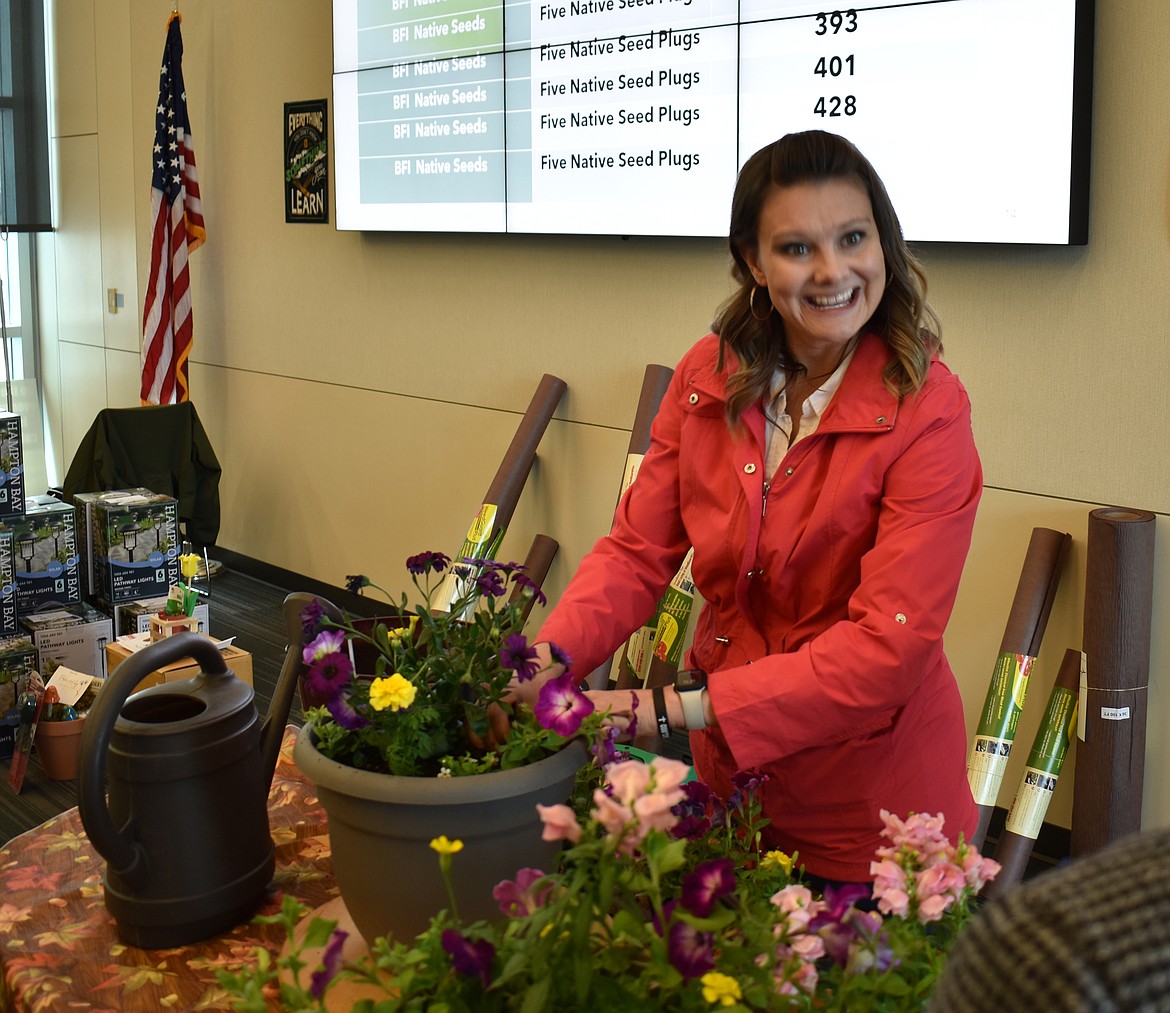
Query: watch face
(690, 679)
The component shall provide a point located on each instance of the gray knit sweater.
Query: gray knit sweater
(1091, 936)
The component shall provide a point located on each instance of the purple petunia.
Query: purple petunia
(693, 811)
(344, 714)
(707, 883)
(470, 957)
(519, 898)
(330, 964)
(519, 657)
(327, 678)
(325, 643)
(559, 656)
(561, 706)
(691, 951)
(355, 582)
(837, 924)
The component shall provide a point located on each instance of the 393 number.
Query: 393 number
(836, 105)
(836, 22)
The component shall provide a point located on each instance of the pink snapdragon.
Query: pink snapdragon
(638, 797)
(560, 823)
(920, 873)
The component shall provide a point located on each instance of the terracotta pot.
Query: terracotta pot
(381, 826)
(58, 745)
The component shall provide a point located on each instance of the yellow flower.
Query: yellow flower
(446, 847)
(395, 692)
(719, 988)
(777, 859)
(402, 633)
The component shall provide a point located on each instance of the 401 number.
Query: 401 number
(834, 66)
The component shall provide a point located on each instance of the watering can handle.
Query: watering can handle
(124, 855)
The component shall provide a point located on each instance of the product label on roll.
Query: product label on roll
(479, 544)
(997, 726)
(1044, 764)
(1030, 805)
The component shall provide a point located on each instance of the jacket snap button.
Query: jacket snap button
(749, 469)
(901, 617)
(880, 419)
(789, 471)
(694, 399)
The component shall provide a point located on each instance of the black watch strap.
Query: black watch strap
(660, 712)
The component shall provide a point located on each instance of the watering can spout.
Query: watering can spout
(287, 682)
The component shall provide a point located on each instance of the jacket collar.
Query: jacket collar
(862, 403)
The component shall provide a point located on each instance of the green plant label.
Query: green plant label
(997, 726)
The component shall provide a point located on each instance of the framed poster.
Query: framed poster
(306, 161)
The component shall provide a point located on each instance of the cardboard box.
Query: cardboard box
(134, 616)
(74, 636)
(11, 466)
(119, 650)
(8, 625)
(45, 557)
(18, 658)
(134, 539)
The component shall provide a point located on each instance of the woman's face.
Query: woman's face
(820, 257)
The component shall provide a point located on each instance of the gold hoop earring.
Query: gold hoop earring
(752, 305)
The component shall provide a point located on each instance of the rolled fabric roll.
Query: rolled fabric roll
(1119, 591)
(1027, 620)
(536, 566)
(499, 502)
(1038, 781)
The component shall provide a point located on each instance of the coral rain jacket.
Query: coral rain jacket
(825, 591)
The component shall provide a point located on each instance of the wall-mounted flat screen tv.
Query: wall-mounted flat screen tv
(632, 117)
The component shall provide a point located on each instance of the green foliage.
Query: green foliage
(600, 932)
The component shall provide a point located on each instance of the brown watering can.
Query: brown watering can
(184, 831)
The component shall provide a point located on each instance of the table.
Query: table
(58, 948)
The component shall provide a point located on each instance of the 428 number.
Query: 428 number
(836, 21)
(836, 105)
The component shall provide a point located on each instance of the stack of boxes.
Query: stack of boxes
(75, 576)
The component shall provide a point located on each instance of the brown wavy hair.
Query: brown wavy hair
(903, 318)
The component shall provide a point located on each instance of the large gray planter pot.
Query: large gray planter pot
(381, 827)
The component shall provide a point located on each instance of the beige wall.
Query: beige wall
(360, 389)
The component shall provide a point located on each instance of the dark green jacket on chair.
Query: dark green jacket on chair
(162, 448)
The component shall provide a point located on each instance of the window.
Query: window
(16, 275)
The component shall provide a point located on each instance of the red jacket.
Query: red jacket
(825, 597)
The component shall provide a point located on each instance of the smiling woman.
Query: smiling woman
(817, 457)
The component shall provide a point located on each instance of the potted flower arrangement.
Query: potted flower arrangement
(662, 900)
(426, 739)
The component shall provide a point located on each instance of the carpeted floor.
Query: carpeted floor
(239, 606)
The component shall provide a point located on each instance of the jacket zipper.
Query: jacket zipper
(764, 508)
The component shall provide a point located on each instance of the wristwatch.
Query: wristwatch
(689, 684)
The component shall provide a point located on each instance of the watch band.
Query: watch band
(692, 706)
(660, 712)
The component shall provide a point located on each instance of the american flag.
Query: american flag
(176, 216)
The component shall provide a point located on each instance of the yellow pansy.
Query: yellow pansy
(445, 847)
(720, 988)
(394, 692)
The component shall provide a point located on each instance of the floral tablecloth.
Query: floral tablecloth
(58, 949)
